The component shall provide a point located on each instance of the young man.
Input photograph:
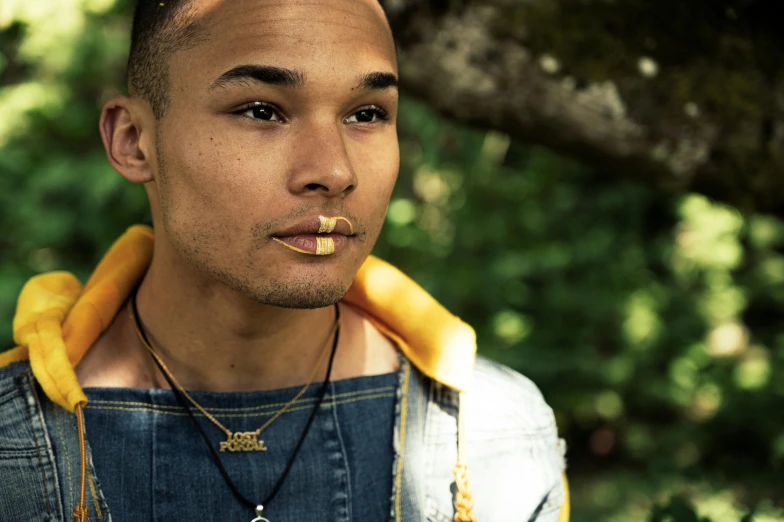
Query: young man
(170, 386)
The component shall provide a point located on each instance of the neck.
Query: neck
(213, 338)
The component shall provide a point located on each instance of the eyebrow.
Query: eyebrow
(260, 73)
(273, 75)
(377, 81)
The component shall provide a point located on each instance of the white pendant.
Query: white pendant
(259, 518)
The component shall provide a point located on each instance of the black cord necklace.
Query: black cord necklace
(258, 508)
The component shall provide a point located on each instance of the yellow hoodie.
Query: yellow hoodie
(58, 320)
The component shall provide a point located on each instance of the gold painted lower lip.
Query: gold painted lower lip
(325, 247)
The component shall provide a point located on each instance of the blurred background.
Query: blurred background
(649, 317)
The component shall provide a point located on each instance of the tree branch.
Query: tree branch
(678, 95)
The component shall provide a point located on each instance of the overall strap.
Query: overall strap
(408, 473)
(63, 428)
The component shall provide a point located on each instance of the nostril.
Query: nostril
(315, 186)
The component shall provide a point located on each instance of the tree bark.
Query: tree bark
(684, 95)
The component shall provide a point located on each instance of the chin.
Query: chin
(293, 292)
(297, 296)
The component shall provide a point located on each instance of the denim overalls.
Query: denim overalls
(514, 455)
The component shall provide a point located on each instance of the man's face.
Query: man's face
(246, 150)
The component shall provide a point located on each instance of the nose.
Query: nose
(321, 164)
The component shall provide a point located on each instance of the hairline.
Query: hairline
(184, 31)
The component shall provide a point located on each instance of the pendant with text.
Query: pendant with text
(246, 441)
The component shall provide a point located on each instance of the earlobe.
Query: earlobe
(122, 138)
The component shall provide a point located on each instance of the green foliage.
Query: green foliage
(679, 510)
(650, 321)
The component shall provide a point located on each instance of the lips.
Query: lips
(320, 235)
(319, 224)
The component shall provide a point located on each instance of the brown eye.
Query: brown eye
(260, 112)
(368, 115)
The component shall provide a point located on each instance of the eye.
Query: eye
(372, 114)
(260, 111)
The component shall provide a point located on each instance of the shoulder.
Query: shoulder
(503, 399)
(491, 376)
(512, 433)
(510, 444)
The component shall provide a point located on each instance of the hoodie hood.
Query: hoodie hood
(57, 320)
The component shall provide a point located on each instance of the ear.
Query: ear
(126, 138)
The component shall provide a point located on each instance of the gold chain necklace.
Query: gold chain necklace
(246, 441)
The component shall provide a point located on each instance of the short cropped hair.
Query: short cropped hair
(160, 29)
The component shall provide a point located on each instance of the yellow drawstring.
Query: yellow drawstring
(80, 511)
(464, 498)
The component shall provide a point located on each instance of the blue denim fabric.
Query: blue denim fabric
(26, 459)
(154, 465)
(512, 450)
